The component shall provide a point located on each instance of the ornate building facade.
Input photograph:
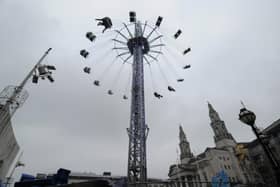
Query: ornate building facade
(256, 153)
(225, 157)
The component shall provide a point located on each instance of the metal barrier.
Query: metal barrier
(195, 184)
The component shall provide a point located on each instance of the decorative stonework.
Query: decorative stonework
(185, 149)
(222, 136)
(224, 157)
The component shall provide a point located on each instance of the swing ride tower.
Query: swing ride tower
(137, 132)
(143, 44)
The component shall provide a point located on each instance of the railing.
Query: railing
(8, 182)
(194, 184)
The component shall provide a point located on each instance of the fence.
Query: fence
(197, 184)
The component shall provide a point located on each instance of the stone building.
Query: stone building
(199, 170)
(271, 136)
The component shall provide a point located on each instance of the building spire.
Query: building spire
(185, 149)
(222, 136)
(213, 114)
(182, 135)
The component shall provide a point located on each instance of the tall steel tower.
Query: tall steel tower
(143, 44)
(137, 166)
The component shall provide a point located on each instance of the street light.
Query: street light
(248, 117)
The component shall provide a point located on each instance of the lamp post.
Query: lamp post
(248, 117)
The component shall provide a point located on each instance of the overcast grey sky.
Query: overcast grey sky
(72, 124)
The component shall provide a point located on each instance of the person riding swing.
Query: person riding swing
(106, 22)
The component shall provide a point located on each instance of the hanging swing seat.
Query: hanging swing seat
(110, 92)
(96, 83)
(186, 51)
(106, 22)
(187, 66)
(125, 97)
(157, 95)
(171, 89)
(87, 70)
